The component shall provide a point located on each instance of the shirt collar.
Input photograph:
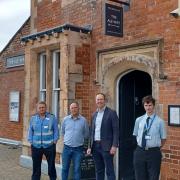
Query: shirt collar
(101, 110)
(46, 114)
(78, 117)
(151, 117)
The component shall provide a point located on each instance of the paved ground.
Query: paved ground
(9, 165)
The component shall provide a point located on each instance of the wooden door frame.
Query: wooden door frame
(117, 110)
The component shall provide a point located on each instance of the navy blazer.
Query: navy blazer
(109, 129)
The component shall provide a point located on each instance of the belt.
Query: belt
(97, 141)
(73, 147)
(148, 148)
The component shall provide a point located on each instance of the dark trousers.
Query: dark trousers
(103, 160)
(50, 154)
(147, 163)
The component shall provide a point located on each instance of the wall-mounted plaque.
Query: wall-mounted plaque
(174, 115)
(113, 20)
(14, 105)
(15, 61)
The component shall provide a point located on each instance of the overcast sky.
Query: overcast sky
(13, 13)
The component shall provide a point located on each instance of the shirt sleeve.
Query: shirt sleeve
(86, 130)
(163, 132)
(115, 127)
(56, 130)
(135, 132)
(63, 128)
(30, 132)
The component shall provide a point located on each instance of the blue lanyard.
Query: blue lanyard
(149, 127)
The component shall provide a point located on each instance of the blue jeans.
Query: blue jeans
(75, 154)
(103, 160)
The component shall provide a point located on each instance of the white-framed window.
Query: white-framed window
(42, 75)
(56, 82)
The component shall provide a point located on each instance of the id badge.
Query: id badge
(148, 137)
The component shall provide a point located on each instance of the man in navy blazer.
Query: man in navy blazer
(104, 138)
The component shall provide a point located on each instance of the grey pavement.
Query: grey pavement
(9, 164)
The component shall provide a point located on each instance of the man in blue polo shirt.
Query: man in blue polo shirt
(74, 130)
(150, 133)
(43, 134)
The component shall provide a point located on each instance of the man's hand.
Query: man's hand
(163, 142)
(88, 151)
(113, 150)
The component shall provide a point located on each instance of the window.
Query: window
(42, 81)
(56, 83)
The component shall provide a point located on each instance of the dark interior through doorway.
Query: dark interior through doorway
(132, 88)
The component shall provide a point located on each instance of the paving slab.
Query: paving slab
(9, 164)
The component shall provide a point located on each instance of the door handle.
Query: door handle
(136, 100)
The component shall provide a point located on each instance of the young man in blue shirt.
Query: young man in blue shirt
(150, 133)
(43, 134)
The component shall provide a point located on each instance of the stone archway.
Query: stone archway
(112, 63)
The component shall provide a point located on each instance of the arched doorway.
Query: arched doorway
(132, 87)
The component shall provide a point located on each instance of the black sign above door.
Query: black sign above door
(113, 20)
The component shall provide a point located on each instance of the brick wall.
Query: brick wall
(144, 21)
(82, 89)
(48, 14)
(12, 79)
